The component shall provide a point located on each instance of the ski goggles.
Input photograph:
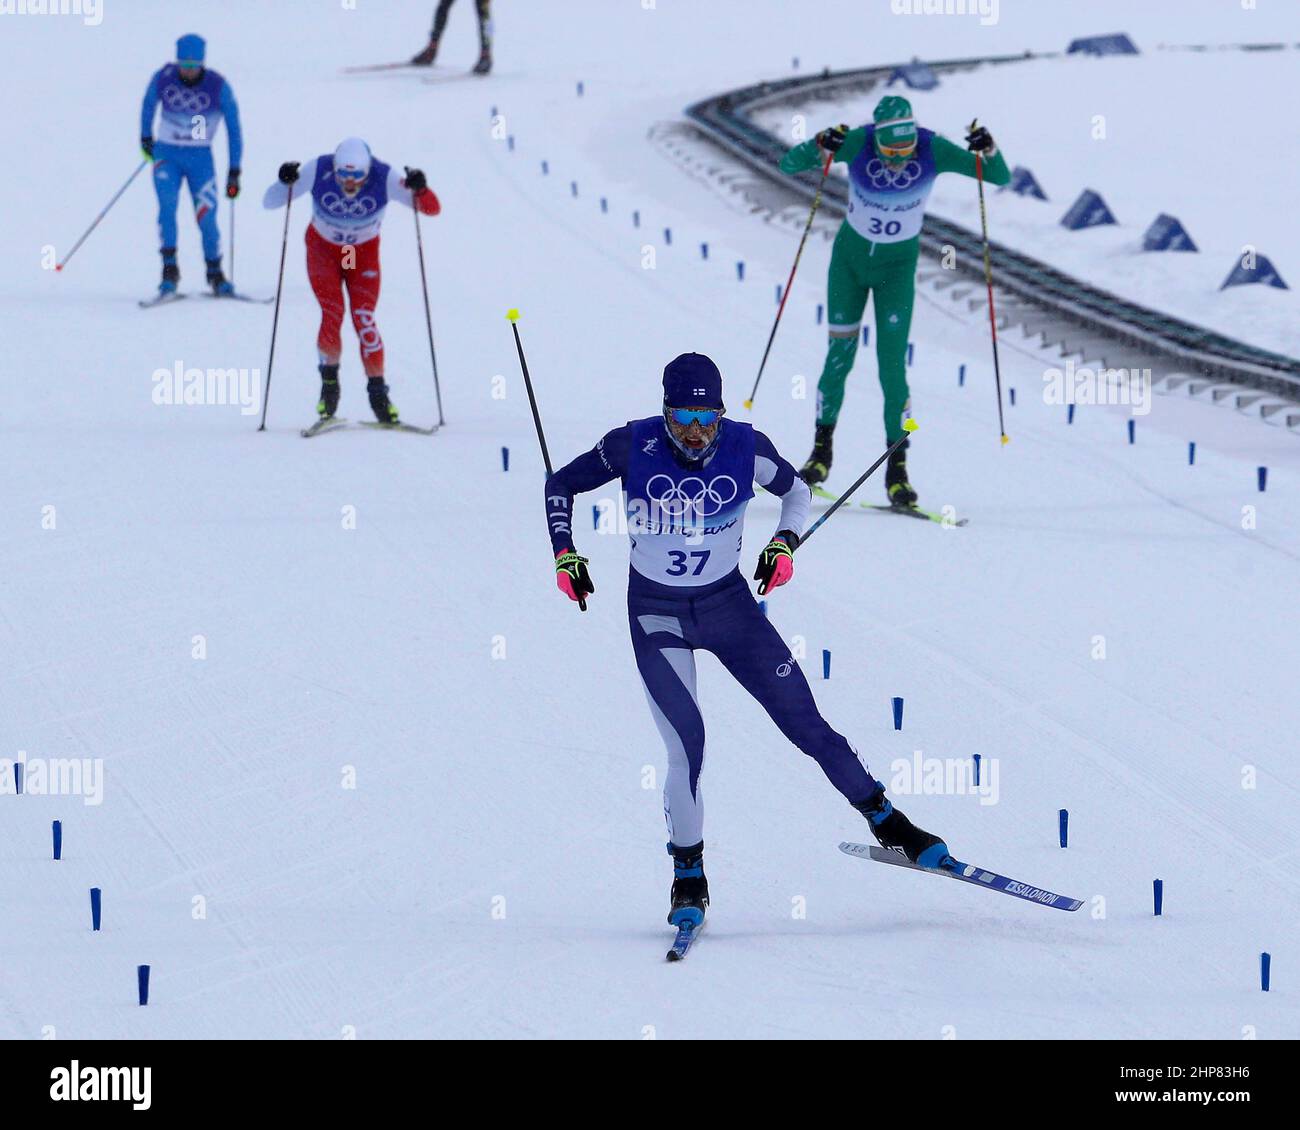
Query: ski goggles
(896, 151)
(705, 417)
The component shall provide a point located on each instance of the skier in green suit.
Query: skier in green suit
(892, 167)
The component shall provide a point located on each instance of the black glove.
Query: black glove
(572, 578)
(146, 146)
(979, 140)
(831, 139)
(776, 562)
(232, 183)
(415, 181)
(289, 172)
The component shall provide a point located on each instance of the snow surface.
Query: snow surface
(498, 870)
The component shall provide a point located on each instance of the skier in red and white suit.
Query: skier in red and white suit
(350, 191)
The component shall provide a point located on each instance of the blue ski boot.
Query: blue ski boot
(896, 832)
(171, 273)
(690, 894)
(221, 286)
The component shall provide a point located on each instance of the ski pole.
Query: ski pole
(116, 196)
(275, 322)
(232, 241)
(512, 316)
(817, 200)
(988, 280)
(909, 426)
(428, 318)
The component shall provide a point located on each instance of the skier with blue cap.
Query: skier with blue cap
(194, 101)
(687, 475)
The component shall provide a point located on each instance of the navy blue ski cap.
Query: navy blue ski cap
(692, 381)
(190, 49)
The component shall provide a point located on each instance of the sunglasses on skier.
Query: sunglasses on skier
(705, 417)
(897, 150)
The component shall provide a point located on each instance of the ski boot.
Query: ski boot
(690, 894)
(385, 410)
(221, 286)
(484, 64)
(902, 495)
(896, 832)
(329, 391)
(426, 57)
(819, 462)
(171, 273)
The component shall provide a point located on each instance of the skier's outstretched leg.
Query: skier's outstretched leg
(893, 294)
(167, 184)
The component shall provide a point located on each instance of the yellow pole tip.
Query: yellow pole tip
(512, 315)
(1006, 439)
(748, 405)
(910, 425)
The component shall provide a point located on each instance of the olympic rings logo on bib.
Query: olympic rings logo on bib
(337, 205)
(883, 176)
(691, 497)
(186, 101)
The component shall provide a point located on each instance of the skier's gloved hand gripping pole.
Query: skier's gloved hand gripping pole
(830, 140)
(148, 159)
(287, 176)
(570, 570)
(979, 141)
(909, 426)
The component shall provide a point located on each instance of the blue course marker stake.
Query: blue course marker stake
(573, 187)
(1262, 475)
(595, 517)
(668, 236)
(604, 204)
(1265, 970)
(493, 114)
(866, 335)
(1065, 827)
(778, 294)
(795, 65)
(18, 778)
(95, 907)
(1132, 428)
(505, 459)
(909, 352)
(826, 664)
(579, 88)
(636, 219)
(142, 983)
(510, 143)
(546, 168)
(58, 839)
(819, 313)
(898, 713)
(1191, 453)
(961, 376)
(704, 250)
(975, 757)
(1069, 413)
(1158, 889)
(762, 607)
(740, 271)
(1012, 391)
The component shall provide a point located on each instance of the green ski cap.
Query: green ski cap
(895, 125)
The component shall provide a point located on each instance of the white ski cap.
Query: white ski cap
(352, 156)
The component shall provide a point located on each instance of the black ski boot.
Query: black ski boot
(484, 64)
(385, 411)
(896, 832)
(329, 391)
(690, 894)
(217, 281)
(819, 462)
(171, 273)
(901, 492)
(426, 57)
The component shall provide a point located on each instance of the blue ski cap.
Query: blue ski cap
(190, 50)
(692, 381)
